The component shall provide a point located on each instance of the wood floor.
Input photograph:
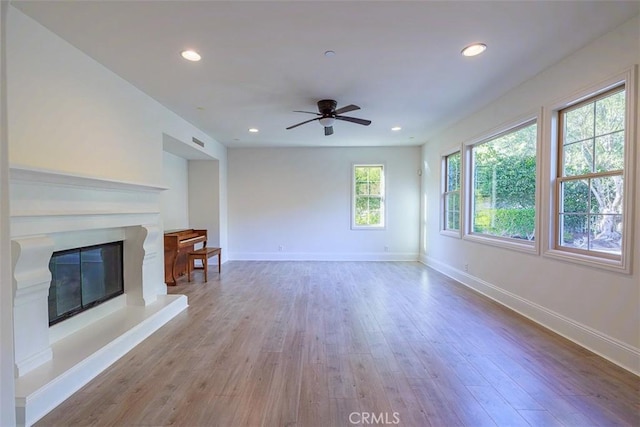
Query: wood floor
(350, 343)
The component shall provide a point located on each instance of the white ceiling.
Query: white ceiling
(399, 61)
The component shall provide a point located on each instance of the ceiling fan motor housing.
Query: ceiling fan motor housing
(327, 107)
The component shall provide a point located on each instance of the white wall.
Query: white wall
(204, 199)
(7, 394)
(596, 308)
(223, 185)
(300, 199)
(175, 200)
(69, 113)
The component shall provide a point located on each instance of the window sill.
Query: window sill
(527, 246)
(451, 233)
(365, 228)
(589, 260)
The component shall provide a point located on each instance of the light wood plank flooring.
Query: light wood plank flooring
(350, 343)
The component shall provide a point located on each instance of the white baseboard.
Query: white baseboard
(616, 351)
(323, 256)
(31, 363)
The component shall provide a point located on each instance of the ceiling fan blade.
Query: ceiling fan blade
(346, 109)
(301, 123)
(354, 120)
(308, 112)
(328, 131)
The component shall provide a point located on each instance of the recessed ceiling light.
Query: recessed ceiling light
(253, 130)
(190, 55)
(474, 49)
(396, 128)
(329, 53)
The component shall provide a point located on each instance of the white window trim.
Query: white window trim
(443, 188)
(354, 226)
(628, 78)
(530, 247)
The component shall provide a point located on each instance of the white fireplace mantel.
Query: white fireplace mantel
(52, 211)
(75, 202)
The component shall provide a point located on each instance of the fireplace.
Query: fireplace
(82, 278)
(118, 229)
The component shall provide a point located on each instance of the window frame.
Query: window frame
(383, 197)
(444, 193)
(553, 249)
(526, 246)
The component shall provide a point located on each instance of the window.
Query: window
(503, 185)
(451, 192)
(590, 182)
(368, 196)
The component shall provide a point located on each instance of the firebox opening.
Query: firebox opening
(82, 278)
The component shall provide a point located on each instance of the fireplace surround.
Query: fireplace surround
(53, 211)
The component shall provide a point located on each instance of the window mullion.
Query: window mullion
(593, 141)
(591, 175)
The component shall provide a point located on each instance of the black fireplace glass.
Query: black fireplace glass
(82, 278)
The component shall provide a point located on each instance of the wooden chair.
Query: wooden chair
(203, 255)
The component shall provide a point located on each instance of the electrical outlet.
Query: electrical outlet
(466, 267)
(280, 248)
(386, 248)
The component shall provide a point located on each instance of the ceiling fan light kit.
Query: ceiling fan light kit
(327, 121)
(328, 115)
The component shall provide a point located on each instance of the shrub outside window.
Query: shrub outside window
(590, 205)
(368, 196)
(451, 192)
(503, 188)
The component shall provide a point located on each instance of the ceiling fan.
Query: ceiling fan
(328, 115)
